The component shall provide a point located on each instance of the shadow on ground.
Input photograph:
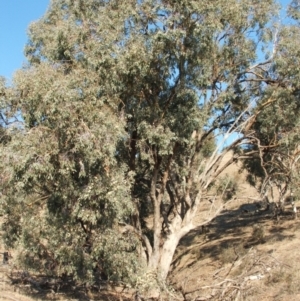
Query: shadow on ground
(45, 288)
(233, 228)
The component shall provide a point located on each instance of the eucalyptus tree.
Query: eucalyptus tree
(122, 102)
(3, 117)
(275, 130)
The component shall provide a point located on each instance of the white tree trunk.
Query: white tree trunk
(167, 250)
(166, 256)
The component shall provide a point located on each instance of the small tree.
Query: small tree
(122, 102)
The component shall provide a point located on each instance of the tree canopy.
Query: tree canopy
(124, 112)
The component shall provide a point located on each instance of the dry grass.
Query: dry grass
(288, 278)
(229, 254)
(258, 233)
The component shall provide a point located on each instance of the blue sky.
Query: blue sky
(15, 16)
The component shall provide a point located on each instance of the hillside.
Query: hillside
(243, 254)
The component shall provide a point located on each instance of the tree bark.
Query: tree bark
(167, 253)
(162, 259)
(168, 250)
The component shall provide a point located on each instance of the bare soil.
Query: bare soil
(246, 253)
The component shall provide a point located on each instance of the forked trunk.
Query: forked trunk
(166, 252)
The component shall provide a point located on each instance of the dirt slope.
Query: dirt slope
(245, 253)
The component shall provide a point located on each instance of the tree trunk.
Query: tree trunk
(161, 260)
(166, 256)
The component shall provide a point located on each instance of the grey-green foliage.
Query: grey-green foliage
(276, 122)
(65, 191)
(4, 112)
(120, 102)
(226, 187)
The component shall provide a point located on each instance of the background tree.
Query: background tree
(275, 130)
(6, 119)
(122, 103)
